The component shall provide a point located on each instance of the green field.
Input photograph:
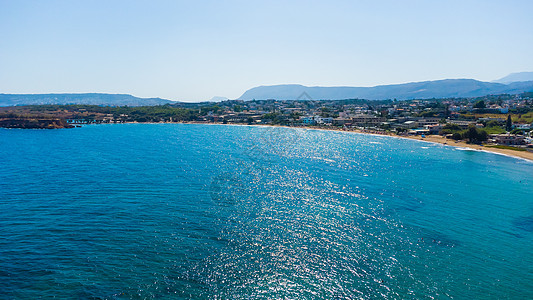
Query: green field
(506, 147)
(516, 118)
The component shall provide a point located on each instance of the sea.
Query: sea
(190, 211)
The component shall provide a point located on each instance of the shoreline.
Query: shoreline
(437, 139)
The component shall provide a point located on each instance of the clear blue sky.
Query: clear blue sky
(193, 50)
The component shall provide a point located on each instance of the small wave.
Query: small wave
(324, 159)
(497, 153)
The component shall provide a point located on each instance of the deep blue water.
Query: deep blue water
(171, 211)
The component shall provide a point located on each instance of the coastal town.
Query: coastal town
(503, 121)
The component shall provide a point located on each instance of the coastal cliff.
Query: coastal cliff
(33, 122)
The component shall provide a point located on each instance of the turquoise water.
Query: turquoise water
(171, 211)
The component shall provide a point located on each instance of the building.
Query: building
(433, 129)
(427, 121)
(364, 119)
(321, 120)
(508, 139)
(462, 124)
(410, 124)
(309, 120)
(523, 126)
(342, 121)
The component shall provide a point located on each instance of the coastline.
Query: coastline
(437, 139)
(461, 144)
(429, 138)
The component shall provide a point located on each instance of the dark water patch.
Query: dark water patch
(402, 205)
(433, 238)
(509, 231)
(524, 223)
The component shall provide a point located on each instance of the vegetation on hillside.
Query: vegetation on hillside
(506, 147)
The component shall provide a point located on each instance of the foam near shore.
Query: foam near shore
(465, 146)
(435, 139)
(432, 139)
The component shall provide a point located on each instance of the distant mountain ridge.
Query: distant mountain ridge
(516, 77)
(447, 88)
(218, 99)
(87, 98)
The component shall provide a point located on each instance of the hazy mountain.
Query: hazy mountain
(516, 77)
(92, 99)
(415, 90)
(218, 99)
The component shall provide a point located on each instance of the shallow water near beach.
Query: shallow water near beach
(170, 211)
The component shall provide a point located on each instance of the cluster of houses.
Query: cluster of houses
(412, 117)
(104, 119)
(415, 117)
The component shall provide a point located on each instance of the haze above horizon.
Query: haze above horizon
(192, 51)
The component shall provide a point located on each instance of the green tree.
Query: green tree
(509, 123)
(400, 130)
(474, 135)
(480, 104)
(450, 128)
(295, 115)
(447, 111)
(457, 136)
(237, 108)
(492, 123)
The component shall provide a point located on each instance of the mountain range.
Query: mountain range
(448, 88)
(515, 83)
(89, 99)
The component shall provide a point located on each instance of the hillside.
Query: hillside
(516, 77)
(416, 90)
(88, 99)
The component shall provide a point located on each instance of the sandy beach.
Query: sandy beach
(442, 140)
(434, 139)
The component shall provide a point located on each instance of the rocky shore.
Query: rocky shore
(33, 123)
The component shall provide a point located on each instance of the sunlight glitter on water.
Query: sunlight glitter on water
(258, 213)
